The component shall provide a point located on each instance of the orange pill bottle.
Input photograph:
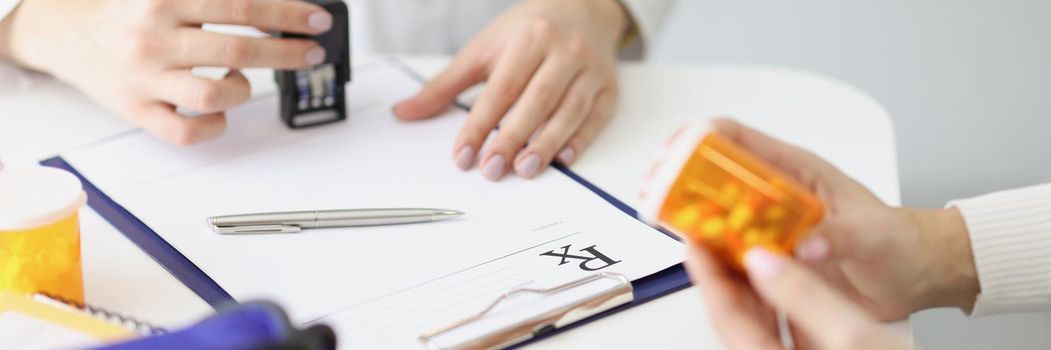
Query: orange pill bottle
(40, 232)
(709, 190)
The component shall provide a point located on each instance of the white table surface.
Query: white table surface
(834, 120)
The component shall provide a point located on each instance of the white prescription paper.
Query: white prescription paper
(378, 287)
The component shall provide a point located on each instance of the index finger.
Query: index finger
(739, 316)
(512, 72)
(269, 15)
(796, 161)
(825, 315)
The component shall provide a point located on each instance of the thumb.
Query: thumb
(440, 92)
(828, 318)
(828, 242)
(801, 165)
(844, 237)
(815, 174)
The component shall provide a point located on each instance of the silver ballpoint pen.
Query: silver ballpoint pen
(295, 221)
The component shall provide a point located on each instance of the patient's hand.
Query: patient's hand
(134, 56)
(819, 316)
(890, 261)
(550, 69)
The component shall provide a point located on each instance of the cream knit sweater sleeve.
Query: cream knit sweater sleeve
(1011, 240)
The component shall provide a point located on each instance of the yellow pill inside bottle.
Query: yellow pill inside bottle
(40, 232)
(756, 205)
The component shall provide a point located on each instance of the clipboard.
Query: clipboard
(643, 289)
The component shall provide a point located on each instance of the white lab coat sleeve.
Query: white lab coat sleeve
(11, 78)
(649, 17)
(1010, 235)
(6, 6)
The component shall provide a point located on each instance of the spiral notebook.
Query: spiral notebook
(44, 322)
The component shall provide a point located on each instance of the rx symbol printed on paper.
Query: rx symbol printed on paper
(585, 260)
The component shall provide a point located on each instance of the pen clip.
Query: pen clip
(252, 229)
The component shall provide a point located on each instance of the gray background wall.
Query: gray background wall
(968, 84)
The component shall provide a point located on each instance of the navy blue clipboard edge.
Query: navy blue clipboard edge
(648, 288)
(149, 241)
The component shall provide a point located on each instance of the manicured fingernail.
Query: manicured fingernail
(315, 56)
(813, 249)
(321, 21)
(528, 166)
(763, 264)
(465, 158)
(494, 168)
(567, 155)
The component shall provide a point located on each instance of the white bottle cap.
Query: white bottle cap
(37, 196)
(666, 169)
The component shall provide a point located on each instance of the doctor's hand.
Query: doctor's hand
(890, 261)
(743, 311)
(134, 57)
(551, 84)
